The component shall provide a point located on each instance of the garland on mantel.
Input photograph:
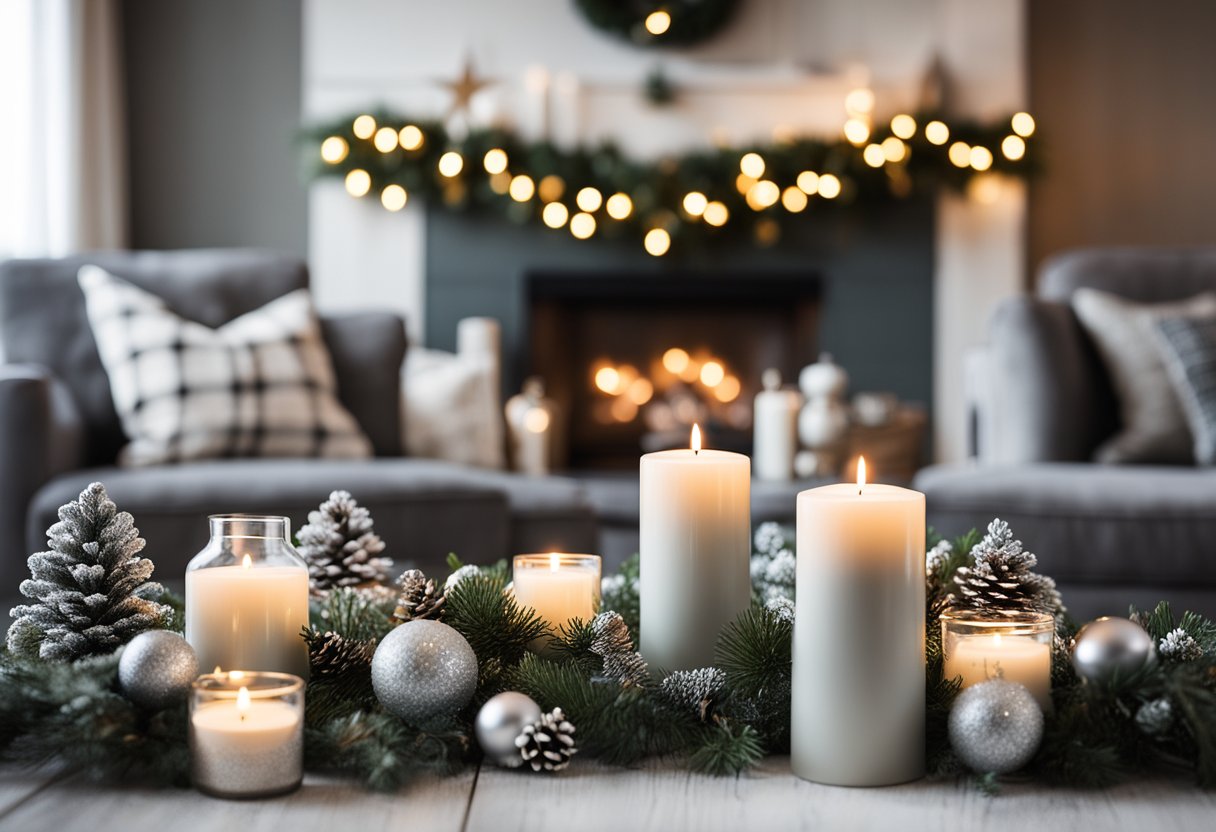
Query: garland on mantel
(753, 194)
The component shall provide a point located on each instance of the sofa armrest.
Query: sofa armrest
(1045, 397)
(368, 349)
(40, 436)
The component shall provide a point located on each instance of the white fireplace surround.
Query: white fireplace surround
(782, 65)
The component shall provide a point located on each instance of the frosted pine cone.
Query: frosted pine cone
(611, 634)
(340, 547)
(1002, 579)
(420, 597)
(548, 743)
(697, 690)
(1179, 646)
(331, 655)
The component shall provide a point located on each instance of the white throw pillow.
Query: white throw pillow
(451, 408)
(1154, 426)
(261, 385)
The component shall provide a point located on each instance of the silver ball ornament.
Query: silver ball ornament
(423, 669)
(156, 669)
(995, 727)
(499, 723)
(1110, 648)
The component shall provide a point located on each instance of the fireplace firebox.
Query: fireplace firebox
(632, 361)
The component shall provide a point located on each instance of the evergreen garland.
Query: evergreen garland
(717, 720)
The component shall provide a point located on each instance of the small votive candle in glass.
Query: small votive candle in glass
(560, 587)
(247, 734)
(1015, 647)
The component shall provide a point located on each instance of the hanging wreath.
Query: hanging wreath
(650, 23)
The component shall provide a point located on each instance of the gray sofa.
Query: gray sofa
(59, 430)
(1110, 535)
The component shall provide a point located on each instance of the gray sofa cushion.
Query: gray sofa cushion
(1147, 275)
(1189, 349)
(42, 315)
(423, 510)
(1091, 524)
(368, 349)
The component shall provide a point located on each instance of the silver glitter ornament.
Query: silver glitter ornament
(157, 668)
(1110, 648)
(995, 727)
(500, 721)
(422, 669)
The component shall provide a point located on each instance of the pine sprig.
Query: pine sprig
(382, 751)
(755, 651)
(496, 627)
(727, 748)
(353, 614)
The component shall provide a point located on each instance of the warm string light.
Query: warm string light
(759, 188)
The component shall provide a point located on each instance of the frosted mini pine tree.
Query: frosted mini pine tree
(91, 591)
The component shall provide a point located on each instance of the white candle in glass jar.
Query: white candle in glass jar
(559, 587)
(1020, 659)
(695, 515)
(858, 698)
(248, 617)
(248, 746)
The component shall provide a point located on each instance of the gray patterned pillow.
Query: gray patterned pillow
(1154, 428)
(1188, 346)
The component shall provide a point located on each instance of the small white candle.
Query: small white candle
(559, 587)
(695, 549)
(1013, 658)
(247, 745)
(858, 711)
(248, 617)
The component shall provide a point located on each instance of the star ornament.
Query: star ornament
(463, 88)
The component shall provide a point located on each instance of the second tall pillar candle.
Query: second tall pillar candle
(695, 552)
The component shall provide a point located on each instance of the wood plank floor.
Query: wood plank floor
(589, 797)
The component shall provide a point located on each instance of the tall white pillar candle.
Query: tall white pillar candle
(858, 709)
(695, 551)
(775, 430)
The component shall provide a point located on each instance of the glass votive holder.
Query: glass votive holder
(247, 596)
(1014, 646)
(560, 587)
(247, 734)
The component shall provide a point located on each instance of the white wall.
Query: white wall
(781, 65)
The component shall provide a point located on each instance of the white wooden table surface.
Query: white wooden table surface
(588, 796)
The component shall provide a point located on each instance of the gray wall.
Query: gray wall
(213, 98)
(1125, 98)
(877, 317)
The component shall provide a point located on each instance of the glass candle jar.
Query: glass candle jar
(1011, 646)
(560, 587)
(247, 733)
(247, 597)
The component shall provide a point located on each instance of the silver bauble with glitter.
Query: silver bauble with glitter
(499, 723)
(995, 727)
(157, 668)
(423, 669)
(1111, 648)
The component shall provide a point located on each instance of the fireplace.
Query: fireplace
(633, 361)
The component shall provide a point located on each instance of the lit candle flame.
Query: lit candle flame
(695, 441)
(247, 562)
(242, 702)
(996, 639)
(555, 560)
(861, 473)
(236, 675)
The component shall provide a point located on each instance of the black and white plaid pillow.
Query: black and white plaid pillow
(261, 385)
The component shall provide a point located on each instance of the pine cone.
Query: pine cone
(697, 690)
(340, 547)
(1001, 579)
(611, 634)
(1179, 646)
(629, 669)
(420, 597)
(548, 743)
(331, 655)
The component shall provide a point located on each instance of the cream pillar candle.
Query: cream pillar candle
(695, 551)
(559, 587)
(775, 430)
(247, 598)
(858, 698)
(247, 734)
